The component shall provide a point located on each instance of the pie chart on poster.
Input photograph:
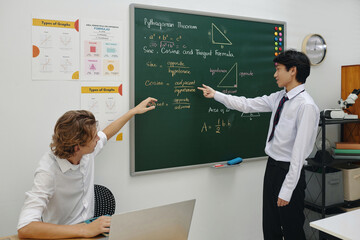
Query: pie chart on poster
(111, 67)
(36, 51)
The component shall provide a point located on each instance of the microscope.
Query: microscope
(340, 113)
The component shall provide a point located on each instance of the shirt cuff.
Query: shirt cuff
(220, 97)
(285, 194)
(103, 137)
(28, 216)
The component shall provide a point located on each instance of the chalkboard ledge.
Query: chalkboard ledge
(225, 165)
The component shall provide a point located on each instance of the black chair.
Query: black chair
(104, 201)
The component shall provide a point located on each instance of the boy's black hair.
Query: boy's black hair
(292, 58)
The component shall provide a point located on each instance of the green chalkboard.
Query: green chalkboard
(172, 53)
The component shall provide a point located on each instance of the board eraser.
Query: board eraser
(235, 161)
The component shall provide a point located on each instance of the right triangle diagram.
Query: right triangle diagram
(218, 37)
(230, 80)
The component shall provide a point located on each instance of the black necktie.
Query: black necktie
(277, 116)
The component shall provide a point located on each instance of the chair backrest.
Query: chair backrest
(104, 201)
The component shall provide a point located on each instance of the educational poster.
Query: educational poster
(55, 43)
(100, 50)
(104, 100)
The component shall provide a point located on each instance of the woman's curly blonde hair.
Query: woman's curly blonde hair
(74, 128)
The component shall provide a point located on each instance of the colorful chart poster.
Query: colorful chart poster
(100, 50)
(104, 100)
(55, 43)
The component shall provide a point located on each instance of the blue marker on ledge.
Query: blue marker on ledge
(234, 161)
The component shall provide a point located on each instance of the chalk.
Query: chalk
(218, 165)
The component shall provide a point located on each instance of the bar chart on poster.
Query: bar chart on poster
(172, 53)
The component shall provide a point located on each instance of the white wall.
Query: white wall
(228, 200)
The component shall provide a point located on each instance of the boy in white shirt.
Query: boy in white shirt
(62, 195)
(291, 137)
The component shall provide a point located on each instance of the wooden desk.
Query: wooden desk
(343, 226)
(15, 237)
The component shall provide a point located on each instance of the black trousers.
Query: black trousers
(287, 221)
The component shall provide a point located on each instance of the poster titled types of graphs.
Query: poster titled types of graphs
(68, 49)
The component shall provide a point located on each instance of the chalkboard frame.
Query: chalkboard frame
(133, 172)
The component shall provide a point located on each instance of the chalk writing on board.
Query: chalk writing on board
(169, 51)
(178, 68)
(151, 64)
(217, 126)
(214, 71)
(228, 91)
(183, 83)
(224, 54)
(154, 83)
(217, 110)
(185, 87)
(250, 115)
(173, 45)
(161, 104)
(246, 74)
(164, 37)
(147, 50)
(176, 64)
(167, 44)
(150, 23)
(181, 103)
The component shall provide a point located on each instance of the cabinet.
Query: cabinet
(323, 159)
(350, 80)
